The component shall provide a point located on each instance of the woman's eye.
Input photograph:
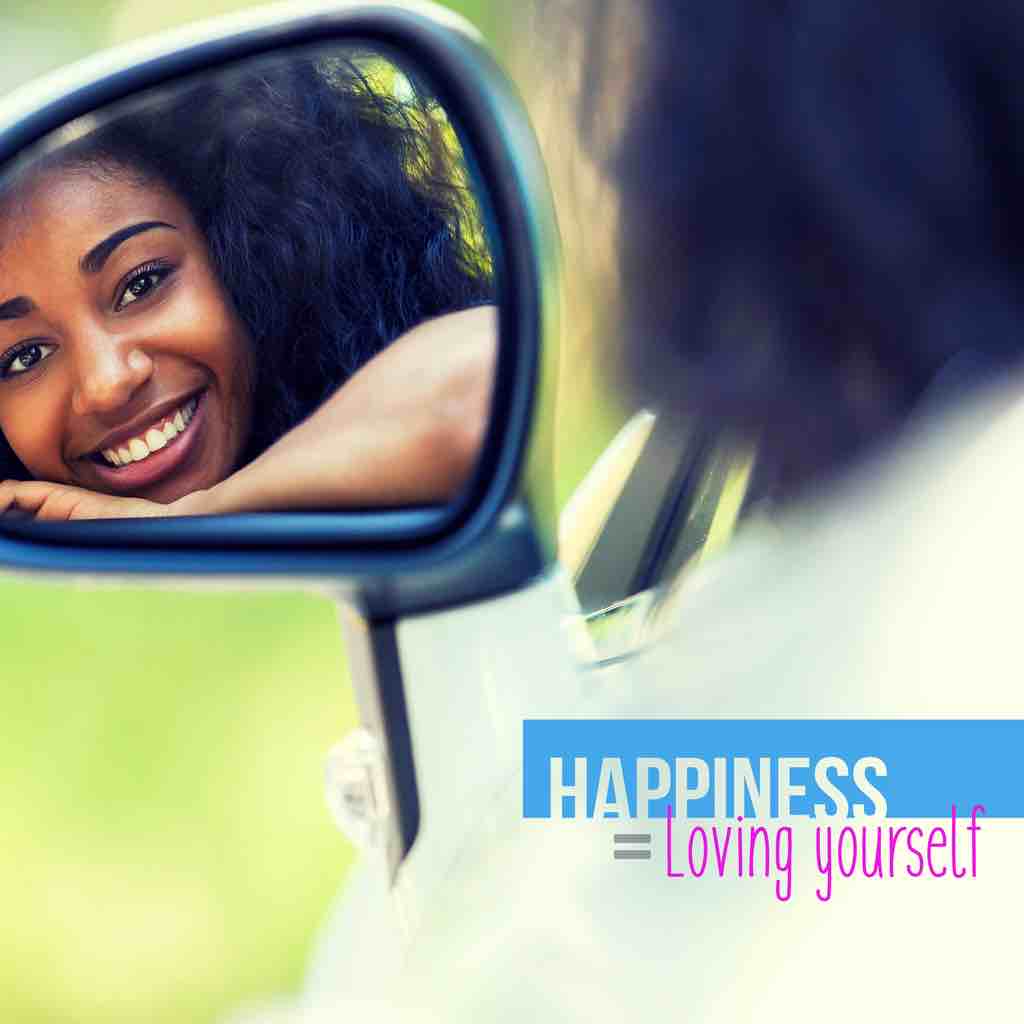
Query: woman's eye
(25, 358)
(140, 285)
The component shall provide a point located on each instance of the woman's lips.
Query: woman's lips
(151, 439)
(134, 477)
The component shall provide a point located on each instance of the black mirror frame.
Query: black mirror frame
(502, 530)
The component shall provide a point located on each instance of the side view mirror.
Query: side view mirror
(210, 251)
(266, 260)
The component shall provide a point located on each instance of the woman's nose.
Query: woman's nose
(108, 376)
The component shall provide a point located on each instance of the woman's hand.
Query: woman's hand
(39, 499)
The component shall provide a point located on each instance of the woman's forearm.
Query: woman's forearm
(405, 429)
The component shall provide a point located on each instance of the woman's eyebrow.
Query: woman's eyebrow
(17, 307)
(92, 262)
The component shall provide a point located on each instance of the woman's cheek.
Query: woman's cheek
(32, 424)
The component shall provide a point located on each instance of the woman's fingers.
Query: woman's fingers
(61, 502)
(9, 507)
(40, 499)
(24, 496)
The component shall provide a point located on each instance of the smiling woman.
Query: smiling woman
(131, 375)
(268, 290)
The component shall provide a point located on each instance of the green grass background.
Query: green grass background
(165, 852)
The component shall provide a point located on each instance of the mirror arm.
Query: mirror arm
(375, 776)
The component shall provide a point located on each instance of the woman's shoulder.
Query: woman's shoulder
(893, 592)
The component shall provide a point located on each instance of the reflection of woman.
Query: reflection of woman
(184, 291)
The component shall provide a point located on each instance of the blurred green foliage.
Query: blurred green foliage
(166, 854)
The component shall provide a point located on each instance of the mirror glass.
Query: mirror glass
(265, 288)
(268, 287)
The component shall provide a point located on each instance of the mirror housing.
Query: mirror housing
(501, 530)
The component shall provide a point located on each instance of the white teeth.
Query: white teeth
(139, 448)
(155, 439)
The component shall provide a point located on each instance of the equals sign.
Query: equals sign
(627, 846)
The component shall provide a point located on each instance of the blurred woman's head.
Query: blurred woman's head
(821, 216)
(234, 250)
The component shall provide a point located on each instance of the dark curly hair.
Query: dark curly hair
(337, 214)
(822, 216)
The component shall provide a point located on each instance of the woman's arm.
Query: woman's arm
(404, 429)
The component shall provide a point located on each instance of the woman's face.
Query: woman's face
(124, 367)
